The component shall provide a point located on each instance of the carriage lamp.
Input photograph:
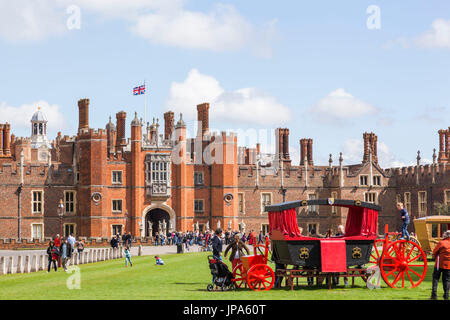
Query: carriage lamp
(60, 213)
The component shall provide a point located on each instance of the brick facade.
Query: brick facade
(109, 183)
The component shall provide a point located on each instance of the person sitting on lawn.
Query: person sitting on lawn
(237, 250)
(159, 261)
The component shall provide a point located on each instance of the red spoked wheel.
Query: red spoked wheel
(403, 262)
(377, 251)
(239, 276)
(260, 277)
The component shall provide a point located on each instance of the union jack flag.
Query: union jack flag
(139, 90)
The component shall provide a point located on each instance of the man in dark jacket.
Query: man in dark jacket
(217, 244)
(113, 242)
(237, 250)
(53, 254)
(129, 239)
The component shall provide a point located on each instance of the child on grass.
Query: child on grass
(127, 257)
(159, 261)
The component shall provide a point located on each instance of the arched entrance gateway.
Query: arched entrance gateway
(158, 218)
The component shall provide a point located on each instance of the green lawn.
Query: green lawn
(183, 277)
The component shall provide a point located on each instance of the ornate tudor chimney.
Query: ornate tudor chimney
(282, 143)
(1, 139)
(444, 146)
(306, 151)
(6, 140)
(203, 119)
(83, 114)
(111, 135)
(370, 143)
(121, 140)
(169, 123)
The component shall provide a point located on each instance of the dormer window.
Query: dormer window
(363, 180)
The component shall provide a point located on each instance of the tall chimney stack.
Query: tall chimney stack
(310, 152)
(370, 143)
(279, 143)
(6, 140)
(286, 143)
(447, 150)
(203, 119)
(306, 151)
(120, 127)
(1, 139)
(168, 124)
(83, 114)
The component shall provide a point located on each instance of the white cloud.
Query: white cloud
(222, 28)
(340, 105)
(19, 117)
(247, 105)
(437, 37)
(353, 151)
(24, 20)
(219, 30)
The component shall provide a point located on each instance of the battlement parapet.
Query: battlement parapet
(92, 134)
(223, 136)
(23, 140)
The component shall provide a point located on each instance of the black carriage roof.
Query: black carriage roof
(327, 202)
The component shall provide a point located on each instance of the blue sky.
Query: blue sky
(312, 66)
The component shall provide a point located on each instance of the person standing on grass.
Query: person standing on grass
(65, 252)
(113, 242)
(129, 239)
(128, 257)
(52, 252)
(185, 241)
(441, 254)
(71, 240)
(80, 246)
(237, 248)
(57, 242)
(217, 244)
(405, 220)
(124, 240)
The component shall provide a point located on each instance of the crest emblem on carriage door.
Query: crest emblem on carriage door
(356, 253)
(304, 253)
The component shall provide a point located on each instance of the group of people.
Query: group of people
(201, 238)
(127, 239)
(60, 251)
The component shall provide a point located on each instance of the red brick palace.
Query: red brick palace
(108, 183)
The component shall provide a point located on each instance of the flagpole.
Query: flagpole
(145, 106)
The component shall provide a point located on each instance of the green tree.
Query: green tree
(441, 209)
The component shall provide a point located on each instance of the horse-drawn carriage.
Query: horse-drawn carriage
(399, 261)
(430, 229)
